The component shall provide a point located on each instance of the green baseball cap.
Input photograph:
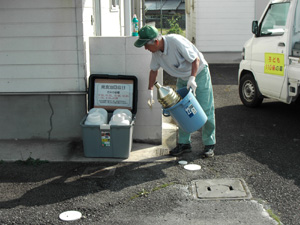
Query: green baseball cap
(146, 33)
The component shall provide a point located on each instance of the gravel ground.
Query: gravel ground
(259, 145)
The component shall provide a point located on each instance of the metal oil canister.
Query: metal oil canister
(166, 96)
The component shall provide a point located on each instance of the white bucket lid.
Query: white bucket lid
(126, 111)
(93, 118)
(192, 167)
(120, 123)
(98, 110)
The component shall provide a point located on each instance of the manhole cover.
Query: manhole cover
(218, 189)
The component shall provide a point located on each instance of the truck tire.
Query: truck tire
(249, 93)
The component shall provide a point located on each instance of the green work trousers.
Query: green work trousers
(204, 95)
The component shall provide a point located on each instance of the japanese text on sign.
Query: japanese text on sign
(274, 64)
(117, 95)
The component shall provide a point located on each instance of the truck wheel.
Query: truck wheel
(248, 91)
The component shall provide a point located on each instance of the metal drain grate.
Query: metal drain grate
(220, 189)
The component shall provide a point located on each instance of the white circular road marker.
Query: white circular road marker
(182, 162)
(192, 167)
(70, 215)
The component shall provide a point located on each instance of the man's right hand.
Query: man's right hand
(150, 98)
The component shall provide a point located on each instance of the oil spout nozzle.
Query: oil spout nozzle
(166, 96)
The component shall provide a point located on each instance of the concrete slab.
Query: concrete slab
(221, 189)
(98, 172)
(72, 151)
(169, 135)
(60, 151)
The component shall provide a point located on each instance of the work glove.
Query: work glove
(192, 84)
(150, 99)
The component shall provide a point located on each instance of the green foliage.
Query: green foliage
(32, 162)
(145, 193)
(174, 26)
(275, 217)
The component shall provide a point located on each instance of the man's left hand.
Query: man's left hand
(192, 84)
(150, 99)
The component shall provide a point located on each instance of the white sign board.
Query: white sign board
(113, 94)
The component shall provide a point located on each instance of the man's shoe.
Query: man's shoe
(180, 149)
(209, 151)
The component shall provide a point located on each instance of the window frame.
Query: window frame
(274, 31)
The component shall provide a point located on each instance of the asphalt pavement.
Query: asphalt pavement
(253, 178)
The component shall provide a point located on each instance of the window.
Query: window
(274, 21)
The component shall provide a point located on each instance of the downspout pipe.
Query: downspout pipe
(127, 17)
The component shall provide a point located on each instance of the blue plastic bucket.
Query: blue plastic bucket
(187, 113)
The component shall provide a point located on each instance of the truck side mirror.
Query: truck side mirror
(255, 27)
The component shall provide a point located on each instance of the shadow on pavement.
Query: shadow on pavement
(52, 183)
(269, 134)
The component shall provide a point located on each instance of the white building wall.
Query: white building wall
(191, 20)
(223, 26)
(118, 56)
(42, 68)
(260, 6)
(41, 46)
(110, 19)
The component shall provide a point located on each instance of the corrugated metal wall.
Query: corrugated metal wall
(223, 25)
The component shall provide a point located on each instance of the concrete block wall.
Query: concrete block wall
(50, 117)
(118, 56)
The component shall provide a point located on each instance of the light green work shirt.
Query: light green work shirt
(177, 58)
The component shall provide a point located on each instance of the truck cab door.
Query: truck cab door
(269, 49)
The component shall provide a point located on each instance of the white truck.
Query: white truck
(270, 67)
